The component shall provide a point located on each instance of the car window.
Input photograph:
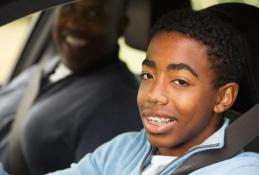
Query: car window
(13, 36)
(131, 56)
(200, 4)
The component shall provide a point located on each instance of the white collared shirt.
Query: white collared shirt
(60, 73)
(157, 164)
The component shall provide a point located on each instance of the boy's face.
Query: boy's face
(176, 97)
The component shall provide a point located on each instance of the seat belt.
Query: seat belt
(239, 134)
(14, 148)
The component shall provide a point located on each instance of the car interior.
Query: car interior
(143, 13)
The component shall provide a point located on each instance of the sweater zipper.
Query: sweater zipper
(178, 159)
(147, 158)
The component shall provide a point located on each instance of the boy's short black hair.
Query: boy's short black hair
(225, 42)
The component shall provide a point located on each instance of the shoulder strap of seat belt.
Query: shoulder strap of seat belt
(238, 135)
(14, 152)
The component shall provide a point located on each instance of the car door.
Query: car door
(21, 35)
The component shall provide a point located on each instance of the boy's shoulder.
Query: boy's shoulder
(123, 144)
(124, 148)
(127, 140)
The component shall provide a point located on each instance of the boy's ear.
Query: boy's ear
(226, 96)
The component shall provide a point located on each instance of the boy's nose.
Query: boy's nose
(158, 94)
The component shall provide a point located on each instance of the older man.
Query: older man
(86, 98)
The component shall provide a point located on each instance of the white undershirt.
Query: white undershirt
(60, 73)
(158, 163)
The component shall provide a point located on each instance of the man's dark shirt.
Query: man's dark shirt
(73, 116)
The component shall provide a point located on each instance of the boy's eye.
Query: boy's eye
(180, 82)
(145, 76)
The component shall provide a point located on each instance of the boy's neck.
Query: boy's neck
(197, 139)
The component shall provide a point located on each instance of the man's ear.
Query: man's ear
(226, 96)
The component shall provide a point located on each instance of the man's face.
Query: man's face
(87, 31)
(176, 96)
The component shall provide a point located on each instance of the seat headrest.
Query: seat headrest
(139, 12)
(245, 17)
(142, 15)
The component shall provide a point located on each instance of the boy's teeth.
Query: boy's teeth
(75, 41)
(158, 121)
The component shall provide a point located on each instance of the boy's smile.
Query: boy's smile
(176, 96)
(157, 122)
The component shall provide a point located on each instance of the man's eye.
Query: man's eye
(67, 8)
(145, 76)
(180, 82)
(93, 13)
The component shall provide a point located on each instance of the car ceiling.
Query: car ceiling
(13, 9)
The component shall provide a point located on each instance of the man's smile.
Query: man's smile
(75, 41)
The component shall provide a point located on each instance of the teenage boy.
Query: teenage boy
(189, 81)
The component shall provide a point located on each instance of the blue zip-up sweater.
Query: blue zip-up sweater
(129, 153)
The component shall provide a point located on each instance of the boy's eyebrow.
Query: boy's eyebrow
(182, 66)
(148, 62)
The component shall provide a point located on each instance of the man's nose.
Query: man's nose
(71, 22)
(75, 22)
(158, 93)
